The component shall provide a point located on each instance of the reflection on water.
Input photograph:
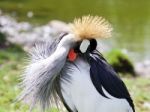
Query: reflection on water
(130, 18)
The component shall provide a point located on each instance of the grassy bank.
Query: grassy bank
(11, 64)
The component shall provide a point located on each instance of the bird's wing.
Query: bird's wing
(39, 79)
(103, 75)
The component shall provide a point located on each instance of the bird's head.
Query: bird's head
(83, 34)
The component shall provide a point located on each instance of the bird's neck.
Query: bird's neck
(61, 52)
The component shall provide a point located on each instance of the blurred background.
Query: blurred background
(25, 22)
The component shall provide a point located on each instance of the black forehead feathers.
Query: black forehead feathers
(92, 46)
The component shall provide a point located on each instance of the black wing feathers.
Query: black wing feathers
(103, 75)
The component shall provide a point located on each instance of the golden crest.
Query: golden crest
(91, 27)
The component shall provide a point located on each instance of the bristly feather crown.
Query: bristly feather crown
(88, 27)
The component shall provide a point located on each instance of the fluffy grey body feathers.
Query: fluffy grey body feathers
(40, 80)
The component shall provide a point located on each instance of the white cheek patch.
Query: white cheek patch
(84, 45)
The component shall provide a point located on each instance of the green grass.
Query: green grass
(10, 68)
(11, 64)
(140, 91)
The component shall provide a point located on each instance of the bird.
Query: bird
(69, 72)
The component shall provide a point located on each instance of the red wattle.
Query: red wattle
(72, 55)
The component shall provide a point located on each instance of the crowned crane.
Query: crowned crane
(64, 71)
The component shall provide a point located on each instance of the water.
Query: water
(130, 18)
